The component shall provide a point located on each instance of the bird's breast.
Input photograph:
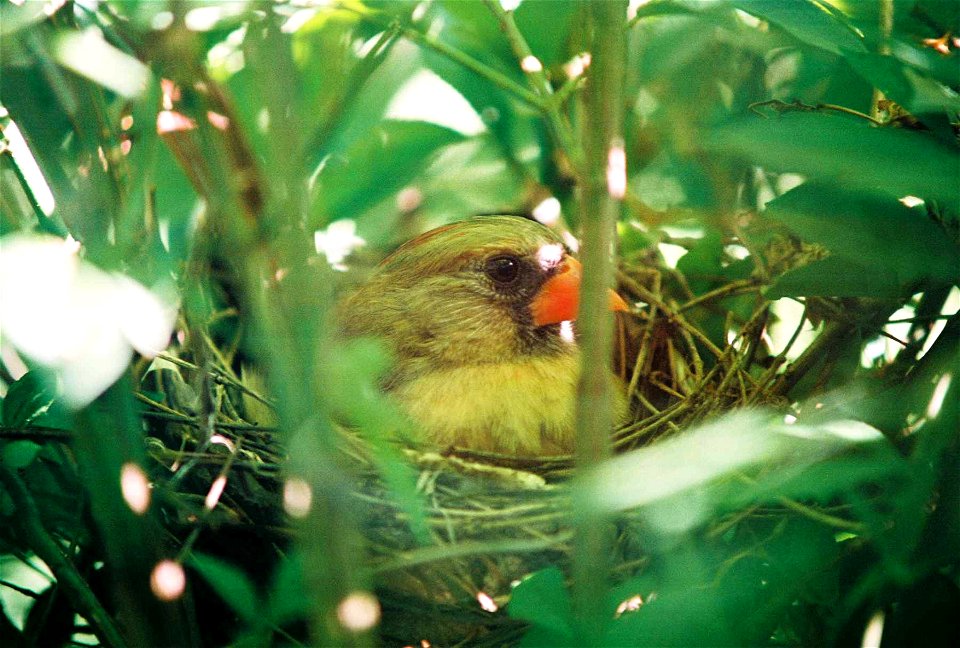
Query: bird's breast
(519, 408)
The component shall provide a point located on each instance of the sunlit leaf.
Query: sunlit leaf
(874, 240)
(380, 164)
(810, 22)
(88, 54)
(702, 457)
(914, 91)
(845, 152)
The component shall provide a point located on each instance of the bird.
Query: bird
(478, 317)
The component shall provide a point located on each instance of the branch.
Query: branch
(538, 80)
(497, 78)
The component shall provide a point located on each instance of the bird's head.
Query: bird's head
(486, 290)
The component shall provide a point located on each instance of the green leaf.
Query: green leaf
(670, 182)
(907, 86)
(546, 27)
(879, 247)
(807, 21)
(17, 455)
(27, 399)
(706, 593)
(354, 372)
(844, 152)
(231, 584)
(288, 598)
(702, 264)
(472, 29)
(17, 18)
(543, 600)
(835, 277)
(380, 164)
(709, 461)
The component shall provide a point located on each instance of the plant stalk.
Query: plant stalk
(600, 205)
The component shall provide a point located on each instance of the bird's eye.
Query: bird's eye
(503, 269)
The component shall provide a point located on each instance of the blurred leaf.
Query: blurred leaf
(670, 182)
(17, 455)
(288, 596)
(816, 24)
(378, 165)
(706, 457)
(353, 371)
(87, 53)
(844, 152)
(546, 25)
(231, 584)
(733, 596)
(879, 247)
(26, 399)
(908, 87)
(543, 600)
(16, 18)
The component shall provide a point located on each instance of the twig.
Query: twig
(732, 288)
(768, 375)
(782, 106)
(541, 85)
(499, 79)
(36, 434)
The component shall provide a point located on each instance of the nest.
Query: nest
(491, 519)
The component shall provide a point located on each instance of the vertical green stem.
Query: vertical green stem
(886, 30)
(599, 208)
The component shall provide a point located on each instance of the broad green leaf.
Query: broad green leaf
(543, 600)
(907, 86)
(706, 458)
(835, 277)
(546, 26)
(17, 455)
(807, 21)
(872, 238)
(288, 599)
(26, 399)
(382, 163)
(712, 594)
(845, 152)
(671, 182)
(231, 584)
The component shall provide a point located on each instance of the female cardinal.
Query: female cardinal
(477, 315)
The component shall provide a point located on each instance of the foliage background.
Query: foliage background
(221, 153)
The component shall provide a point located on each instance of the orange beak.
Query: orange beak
(559, 298)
